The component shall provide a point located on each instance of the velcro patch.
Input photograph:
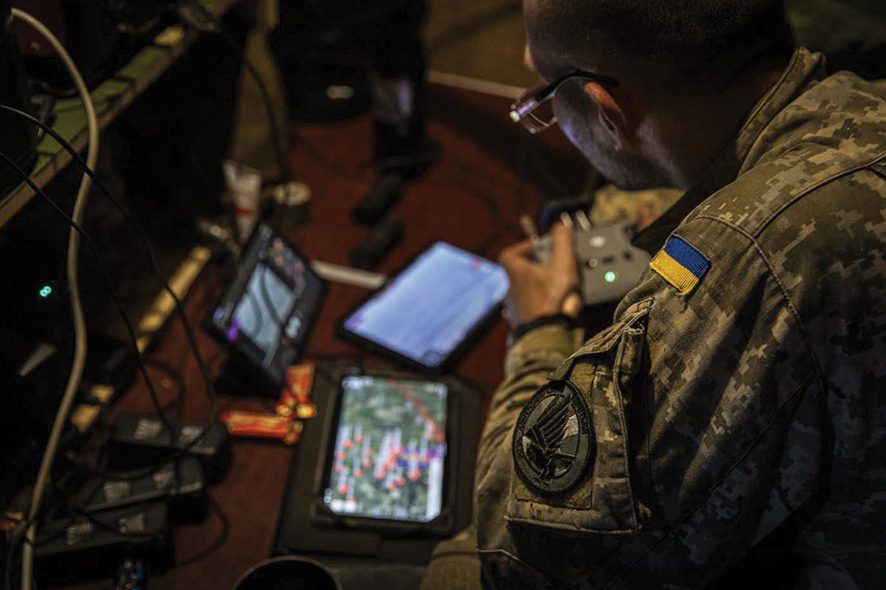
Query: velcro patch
(680, 264)
(554, 439)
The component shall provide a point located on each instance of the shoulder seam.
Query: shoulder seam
(880, 158)
(879, 168)
(784, 292)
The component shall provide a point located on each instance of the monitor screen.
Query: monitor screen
(432, 306)
(388, 458)
(267, 308)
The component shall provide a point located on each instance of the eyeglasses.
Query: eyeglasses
(535, 108)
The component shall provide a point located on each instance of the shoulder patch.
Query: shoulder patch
(554, 439)
(680, 264)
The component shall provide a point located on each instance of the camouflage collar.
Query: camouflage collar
(803, 70)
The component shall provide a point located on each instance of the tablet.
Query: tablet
(432, 310)
(266, 310)
(387, 456)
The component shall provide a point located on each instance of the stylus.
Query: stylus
(347, 275)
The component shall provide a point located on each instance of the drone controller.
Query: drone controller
(608, 264)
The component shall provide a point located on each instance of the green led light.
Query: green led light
(46, 291)
(610, 276)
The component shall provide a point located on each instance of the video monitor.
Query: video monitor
(386, 470)
(267, 309)
(432, 310)
(388, 450)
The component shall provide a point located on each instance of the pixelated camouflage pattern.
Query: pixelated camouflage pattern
(741, 430)
(612, 204)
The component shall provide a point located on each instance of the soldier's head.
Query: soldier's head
(672, 59)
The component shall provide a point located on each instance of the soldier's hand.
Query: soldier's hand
(539, 290)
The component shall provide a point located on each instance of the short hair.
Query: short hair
(699, 42)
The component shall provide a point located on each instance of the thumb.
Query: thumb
(562, 249)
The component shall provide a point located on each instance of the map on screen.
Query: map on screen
(390, 447)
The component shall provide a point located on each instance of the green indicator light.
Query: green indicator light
(610, 276)
(45, 291)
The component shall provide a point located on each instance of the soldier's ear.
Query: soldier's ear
(613, 117)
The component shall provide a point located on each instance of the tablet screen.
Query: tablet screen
(266, 309)
(390, 449)
(431, 307)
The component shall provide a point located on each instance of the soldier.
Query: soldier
(729, 428)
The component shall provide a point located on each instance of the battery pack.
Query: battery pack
(140, 440)
(79, 548)
(181, 484)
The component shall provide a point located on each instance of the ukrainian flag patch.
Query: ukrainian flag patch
(680, 264)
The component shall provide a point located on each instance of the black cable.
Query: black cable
(217, 543)
(210, 388)
(189, 333)
(155, 400)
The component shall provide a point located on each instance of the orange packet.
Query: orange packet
(300, 379)
(287, 403)
(305, 411)
(262, 425)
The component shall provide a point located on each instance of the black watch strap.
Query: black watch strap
(557, 319)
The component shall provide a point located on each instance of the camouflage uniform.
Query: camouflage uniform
(742, 423)
(613, 204)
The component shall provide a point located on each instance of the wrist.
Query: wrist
(554, 319)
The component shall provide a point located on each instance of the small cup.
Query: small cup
(288, 573)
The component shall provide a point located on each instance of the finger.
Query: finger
(562, 250)
(519, 251)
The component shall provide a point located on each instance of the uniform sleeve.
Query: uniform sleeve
(528, 363)
(704, 436)
(455, 564)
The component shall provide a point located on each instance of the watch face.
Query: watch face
(554, 439)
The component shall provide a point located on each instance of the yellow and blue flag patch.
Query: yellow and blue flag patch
(680, 264)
